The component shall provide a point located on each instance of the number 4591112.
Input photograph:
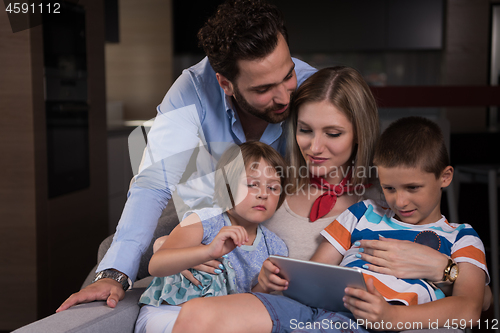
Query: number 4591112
(26, 8)
(480, 324)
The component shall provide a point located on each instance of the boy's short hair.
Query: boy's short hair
(241, 30)
(230, 167)
(412, 142)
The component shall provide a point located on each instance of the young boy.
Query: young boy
(413, 169)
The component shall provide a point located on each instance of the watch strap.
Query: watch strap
(115, 275)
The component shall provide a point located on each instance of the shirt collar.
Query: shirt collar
(272, 132)
(229, 106)
(230, 110)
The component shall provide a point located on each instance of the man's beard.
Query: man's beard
(268, 114)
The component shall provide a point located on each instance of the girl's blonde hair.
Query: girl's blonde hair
(345, 88)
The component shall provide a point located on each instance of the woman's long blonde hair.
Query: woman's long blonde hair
(345, 88)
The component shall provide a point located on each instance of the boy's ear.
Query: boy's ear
(225, 84)
(446, 176)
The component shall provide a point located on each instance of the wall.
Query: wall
(139, 67)
(17, 189)
(47, 246)
(466, 57)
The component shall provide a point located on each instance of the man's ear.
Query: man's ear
(446, 176)
(225, 84)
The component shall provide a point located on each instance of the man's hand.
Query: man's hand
(105, 289)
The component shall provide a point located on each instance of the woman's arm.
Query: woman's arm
(464, 305)
(409, 260)
(403, 259)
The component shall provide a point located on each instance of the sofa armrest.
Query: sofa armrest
(93, 317)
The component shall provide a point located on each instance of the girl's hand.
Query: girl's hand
(269, 279)
(227, 240)
(370, 305)
(403, 259)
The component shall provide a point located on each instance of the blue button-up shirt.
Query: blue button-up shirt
(195, 112)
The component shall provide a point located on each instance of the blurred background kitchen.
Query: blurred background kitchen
(73, 89)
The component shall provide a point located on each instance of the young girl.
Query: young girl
(248, 188)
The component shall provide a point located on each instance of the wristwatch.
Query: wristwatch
(451, 271)
(115, 275)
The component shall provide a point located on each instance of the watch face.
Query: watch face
(453, 272)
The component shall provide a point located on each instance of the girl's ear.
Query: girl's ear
(446, 176)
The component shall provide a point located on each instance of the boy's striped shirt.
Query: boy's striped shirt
(371, 219)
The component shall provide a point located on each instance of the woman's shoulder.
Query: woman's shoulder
(301, 202)
(297, 202)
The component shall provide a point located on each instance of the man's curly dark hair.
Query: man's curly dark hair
(240, 30)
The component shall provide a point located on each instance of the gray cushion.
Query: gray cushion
(91, 317)
(97, 316)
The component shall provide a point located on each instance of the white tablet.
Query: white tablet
(318, 285)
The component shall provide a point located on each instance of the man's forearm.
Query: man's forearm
(135, 230)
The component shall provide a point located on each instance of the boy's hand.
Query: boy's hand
(269, 279)
(227, 240)
(368, 305)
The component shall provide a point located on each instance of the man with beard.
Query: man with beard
(241, 91)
